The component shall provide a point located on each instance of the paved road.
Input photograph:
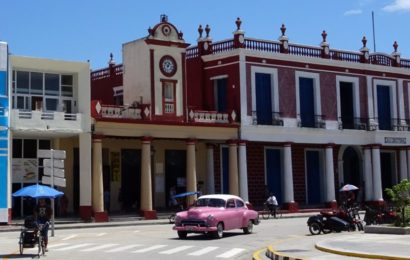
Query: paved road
(159, 241)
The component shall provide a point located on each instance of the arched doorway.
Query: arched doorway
(351, 167)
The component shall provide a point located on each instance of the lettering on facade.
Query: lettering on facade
(395, 140)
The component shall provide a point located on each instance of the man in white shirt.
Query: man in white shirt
(272, 204)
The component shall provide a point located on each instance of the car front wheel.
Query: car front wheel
(219, 233)
(182, 234)
(249, 228)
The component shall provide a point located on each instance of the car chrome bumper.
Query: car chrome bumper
(194, 228)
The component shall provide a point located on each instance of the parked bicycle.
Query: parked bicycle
(271, 211)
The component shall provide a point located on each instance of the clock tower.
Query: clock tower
(154, 72)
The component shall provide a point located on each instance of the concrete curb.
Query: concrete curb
(357, 254)
(275, 255)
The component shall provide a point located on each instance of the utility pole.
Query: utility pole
(374, 33)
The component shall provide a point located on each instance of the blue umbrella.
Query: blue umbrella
(185, 194)
(38, 191)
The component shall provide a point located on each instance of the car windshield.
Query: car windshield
(217, 203)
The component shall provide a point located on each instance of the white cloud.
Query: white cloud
(398, 5)
(353, 12)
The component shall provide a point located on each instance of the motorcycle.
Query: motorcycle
(334, 221)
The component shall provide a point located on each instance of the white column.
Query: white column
(377, 176)
(97, 180)
(288, 195)
(243, 172)
(330, 175)
(146, 185)
(85, 170)
(403, 164)
(190, 170)
(233, 168)
(368, 178)
(210, 176)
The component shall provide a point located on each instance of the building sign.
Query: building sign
(24, 170)
(4, 134)
(115, 166)
(395, 140)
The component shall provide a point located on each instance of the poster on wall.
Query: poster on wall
(24, 171)
(115, 166)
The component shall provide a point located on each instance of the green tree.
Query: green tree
(400, 196)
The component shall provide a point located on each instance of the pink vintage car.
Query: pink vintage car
(212, 214)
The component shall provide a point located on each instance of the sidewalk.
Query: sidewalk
(345, 245)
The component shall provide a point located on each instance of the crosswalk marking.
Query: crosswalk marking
(231, 253)
(98, 247)
(101, 234)
(175, 250)
(149, 249)
(56, 245)
(122, 248)
(69, 237)
(73, 247)
(204, 251)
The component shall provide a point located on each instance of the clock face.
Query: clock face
(168, 66)
(166, 30)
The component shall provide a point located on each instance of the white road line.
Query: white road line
(175, 250)
(98, 247)
(56, 245)
(122, 248)
(204, 251)
(35, 248)
(73, 247)
(149, 249)
(101, 234)
(231, 253)
(69, 237)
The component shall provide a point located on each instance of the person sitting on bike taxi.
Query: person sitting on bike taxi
(272, 204)
(42, 213)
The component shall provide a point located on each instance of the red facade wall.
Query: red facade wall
(287, 92)
(194, 85)
(328, 95)
(102, 88)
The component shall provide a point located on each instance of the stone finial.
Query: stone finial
(283, 29)
(150, 31)
(395, 46)
(207, 30)
(238, 23)
(364, 41)
(324, 35)
(180, 35)
(200, 31)
(111, 61)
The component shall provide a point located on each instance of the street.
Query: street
(159, 241)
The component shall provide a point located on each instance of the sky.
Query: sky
(81, 30)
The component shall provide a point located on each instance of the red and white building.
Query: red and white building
(244, 116)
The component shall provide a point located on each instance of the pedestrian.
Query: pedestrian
(172, 202)
(42, 214)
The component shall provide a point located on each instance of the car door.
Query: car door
(231, 219)
(240, 211)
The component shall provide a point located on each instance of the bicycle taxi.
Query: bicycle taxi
(180, 206)
(31, 235)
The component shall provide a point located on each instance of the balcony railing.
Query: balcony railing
(27, 120)
(202, 116)
(276, 119)
(319, 122)
(120, 112)
(302, 50)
